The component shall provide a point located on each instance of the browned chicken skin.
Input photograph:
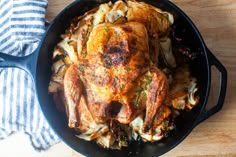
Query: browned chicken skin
(156, 94)
(116, 66)
(111, 74)
(73, 88)
(79, 115)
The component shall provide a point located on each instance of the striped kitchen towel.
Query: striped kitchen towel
(22, 24)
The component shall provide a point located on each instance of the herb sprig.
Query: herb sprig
(142, 91)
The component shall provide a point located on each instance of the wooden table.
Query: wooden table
(216, 20)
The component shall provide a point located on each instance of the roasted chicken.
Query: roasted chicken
(105, 73)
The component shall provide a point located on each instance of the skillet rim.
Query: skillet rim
(146, 1)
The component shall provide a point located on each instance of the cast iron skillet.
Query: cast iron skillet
(39, 64)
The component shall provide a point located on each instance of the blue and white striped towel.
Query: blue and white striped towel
(22, 24)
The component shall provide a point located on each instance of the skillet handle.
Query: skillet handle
(26, 63)
(213, 61)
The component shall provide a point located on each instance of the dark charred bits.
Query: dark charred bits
(115, 54)
(113, 50)
(118, 132)
(107, 60)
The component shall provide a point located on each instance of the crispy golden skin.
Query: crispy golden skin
(116, 57)
(116, 66)
(111, 72)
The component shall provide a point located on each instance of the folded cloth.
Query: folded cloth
(22, 24)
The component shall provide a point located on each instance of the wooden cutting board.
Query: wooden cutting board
(216, 20)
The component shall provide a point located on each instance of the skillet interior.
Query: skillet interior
(185, 123)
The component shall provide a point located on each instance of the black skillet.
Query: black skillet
(39, 64)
